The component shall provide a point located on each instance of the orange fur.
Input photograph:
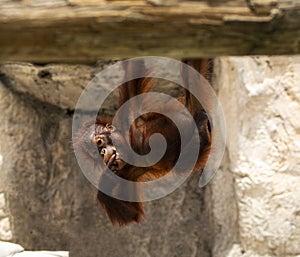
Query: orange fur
(123, 212)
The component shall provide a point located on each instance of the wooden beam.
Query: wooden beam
(85, 31)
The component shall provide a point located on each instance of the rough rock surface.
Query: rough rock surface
(51, 204)
(5, 228)
(261, 101)
(251, 208)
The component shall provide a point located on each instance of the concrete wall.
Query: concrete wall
(251, 207)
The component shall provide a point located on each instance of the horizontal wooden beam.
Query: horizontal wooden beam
(85, 31)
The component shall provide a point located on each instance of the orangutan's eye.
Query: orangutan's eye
(99, 141)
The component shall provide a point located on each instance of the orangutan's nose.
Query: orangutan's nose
(107, 153)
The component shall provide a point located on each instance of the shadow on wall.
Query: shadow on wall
(50, 202)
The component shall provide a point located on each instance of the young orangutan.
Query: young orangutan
(101, 132)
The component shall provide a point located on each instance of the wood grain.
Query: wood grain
(45, 31)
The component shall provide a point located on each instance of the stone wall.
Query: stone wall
(250, 208)
(261, 101)
(52, 205)
(5, 228)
